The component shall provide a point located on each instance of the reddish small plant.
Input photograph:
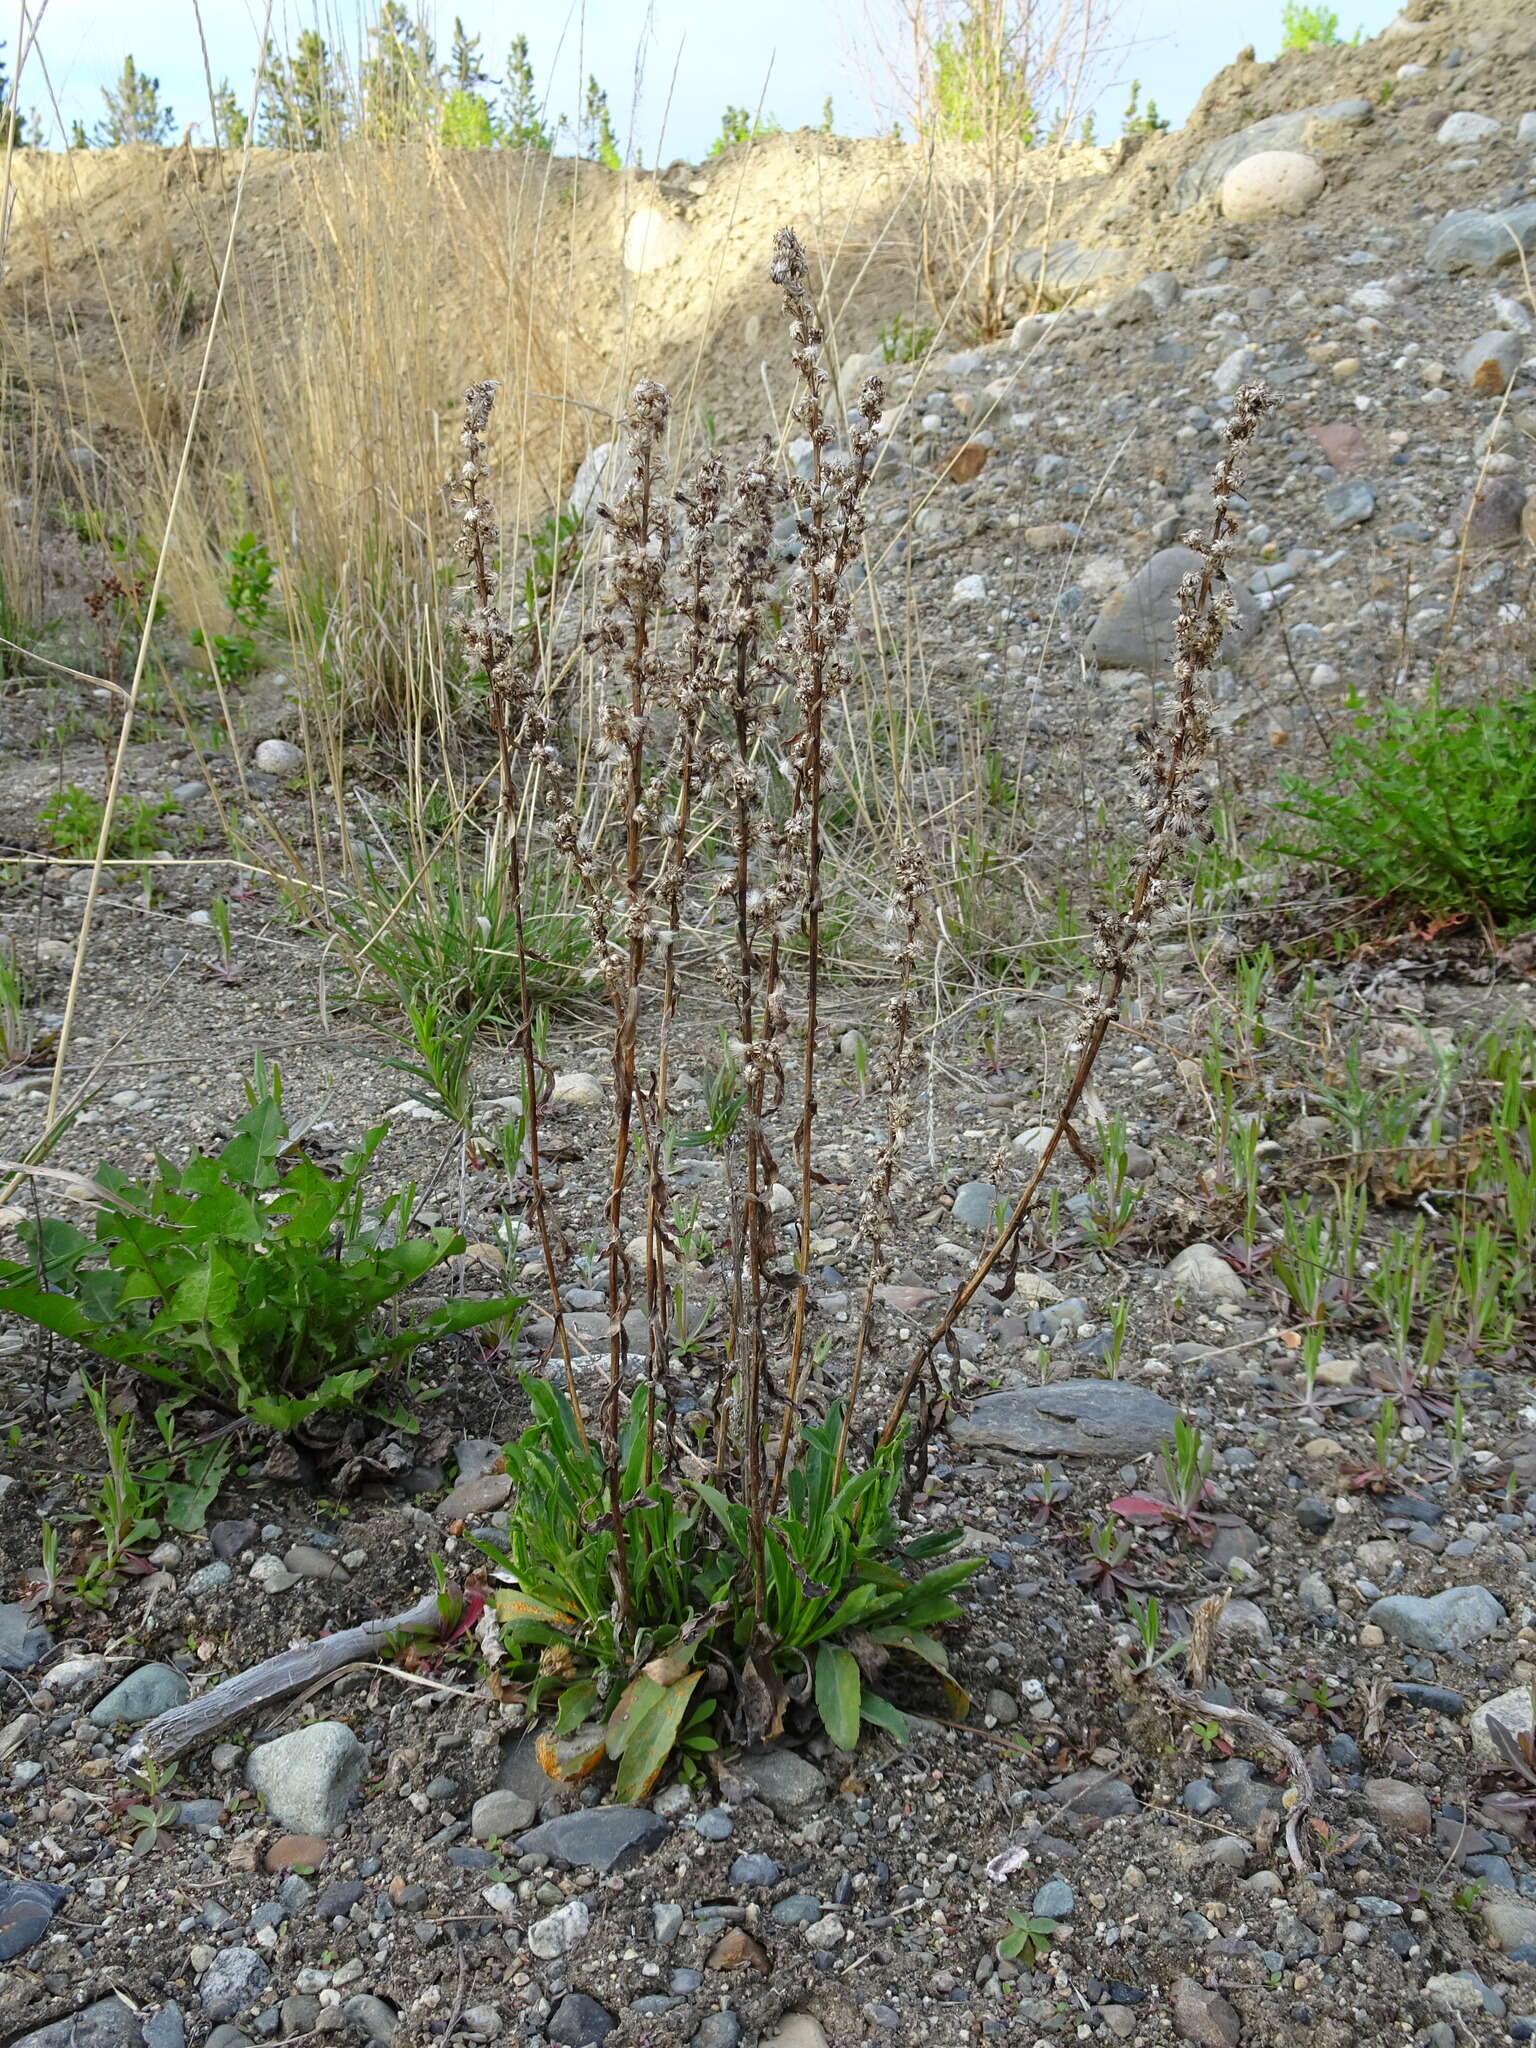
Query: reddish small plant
(1180, 1508)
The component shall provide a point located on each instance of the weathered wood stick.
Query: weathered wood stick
(173, 1733)
(1197, 1707)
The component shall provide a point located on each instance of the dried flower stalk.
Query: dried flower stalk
(522, 735)
(1173, 807)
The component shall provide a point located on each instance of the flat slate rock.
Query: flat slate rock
(109, 2023)
(26, 1908)
(1445, 1624)
(600, 1838)
(1077, 1418)
(1068, 267)
(23, 1640)
(1484, 242)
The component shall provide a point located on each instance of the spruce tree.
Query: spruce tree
(13, 129)
(523, 127)
(401, 81)
(230, 120)
(598, 140)
(134, 110)
(303, 105)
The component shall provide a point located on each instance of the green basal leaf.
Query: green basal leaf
(653, 1738)
(244, 1276)
(839, 1686)
(881, 1714)
(576, 1704)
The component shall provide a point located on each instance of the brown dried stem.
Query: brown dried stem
(1172, 809)
(831, 507)
(518, 719)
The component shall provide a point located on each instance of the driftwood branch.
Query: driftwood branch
(1263, 1733)
(172, 1734)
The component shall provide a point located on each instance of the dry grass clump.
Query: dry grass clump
(994, 90)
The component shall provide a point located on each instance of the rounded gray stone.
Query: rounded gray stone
(1348, 504)
(109, 2023)
(279, 757)
(234, 1979)
(209, 1577)
(373, 2017)
(1493, 514)
(498, 1815)
(718, 2030)
(152, 1689)
(308, 1779)
(786, 1782)
(1491, 363)
(1095, 1793)
(974, 1205)
(799, 1910)
(1445, 1623)
(1135, 629)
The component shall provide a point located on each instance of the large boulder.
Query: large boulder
(1271, 182)
(652, 240)
(1065, 268)
(1200, 179)
(1482, 242)
(1135, 628)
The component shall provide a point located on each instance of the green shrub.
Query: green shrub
(72, 817)
(904, 342)
(640, 1691)
(1308, 28)
(247, 1277)
(248, 593)
(982, 85)
(1432, 806)
(739, 124)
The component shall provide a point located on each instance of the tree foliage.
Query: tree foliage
(135, 111)
(303, 100)
(13, 133)
(523, 124)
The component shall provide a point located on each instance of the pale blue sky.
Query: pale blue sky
(690, 57)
